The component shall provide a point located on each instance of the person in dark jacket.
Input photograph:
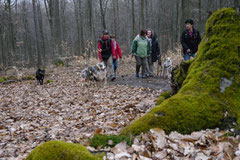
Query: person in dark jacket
(105, 50)
(190, 40)
(155, 51)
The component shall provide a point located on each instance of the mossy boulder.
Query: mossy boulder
(163, 96)
(57, 150)
(211, 91)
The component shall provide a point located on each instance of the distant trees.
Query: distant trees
(37, 32)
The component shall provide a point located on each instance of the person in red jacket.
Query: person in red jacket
(116, 53)
(105, 51)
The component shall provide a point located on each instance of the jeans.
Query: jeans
(115, 66)
(188, 56)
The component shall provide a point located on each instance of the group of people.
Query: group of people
(145, 49)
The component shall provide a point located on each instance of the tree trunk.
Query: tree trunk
(133, 21)
(114, 16)
(28, 54)
(57, 29)
(43, 45)
(199, 15)
(102, 14)
(236, 3)
(142, 23)
(12, 38)
(36, 26)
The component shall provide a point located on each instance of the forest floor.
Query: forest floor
(71, 110)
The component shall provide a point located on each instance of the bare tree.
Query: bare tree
(103, 9)
(35, 15)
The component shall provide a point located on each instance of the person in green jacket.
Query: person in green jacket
(140, 50)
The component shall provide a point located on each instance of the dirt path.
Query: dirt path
(155, 83)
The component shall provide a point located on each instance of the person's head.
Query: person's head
(105, 33)
(143, 33)
(112, 36)
(149, 33)
(189, 24)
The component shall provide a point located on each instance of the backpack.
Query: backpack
(106, 48)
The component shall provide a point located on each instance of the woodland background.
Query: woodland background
(37, 32)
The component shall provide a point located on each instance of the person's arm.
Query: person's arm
(183, 42)
(134, 47)
(99, 51)
(119, 51)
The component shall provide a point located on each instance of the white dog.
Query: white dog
(167, 68)
(95, 73)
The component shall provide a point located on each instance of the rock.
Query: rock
(225, 83)
(56, 149)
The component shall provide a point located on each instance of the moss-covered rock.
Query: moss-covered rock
(163, 96)
(57, 150)
(211, 88)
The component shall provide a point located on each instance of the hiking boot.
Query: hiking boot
(137, 74)
(144, 76)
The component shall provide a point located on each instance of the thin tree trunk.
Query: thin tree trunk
(36, 26)
(114, 16)
(43, 45)
(236, 3)
(102, 14)
(57, 29)
(133, 21)
(12, 40)
(142, 20)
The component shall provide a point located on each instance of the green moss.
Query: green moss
(49, 81)
(163, 96)
(29, 77)
(102, 140)
(57, 150)
(200, 104)
(59, 63)
(3, 79)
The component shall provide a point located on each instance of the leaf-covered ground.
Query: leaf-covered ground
(69, 109)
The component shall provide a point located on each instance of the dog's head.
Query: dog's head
(101, 66)
(40, 72)
(168, 62)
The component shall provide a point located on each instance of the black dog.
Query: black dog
(40, 76)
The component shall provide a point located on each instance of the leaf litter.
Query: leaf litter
(67, 109)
